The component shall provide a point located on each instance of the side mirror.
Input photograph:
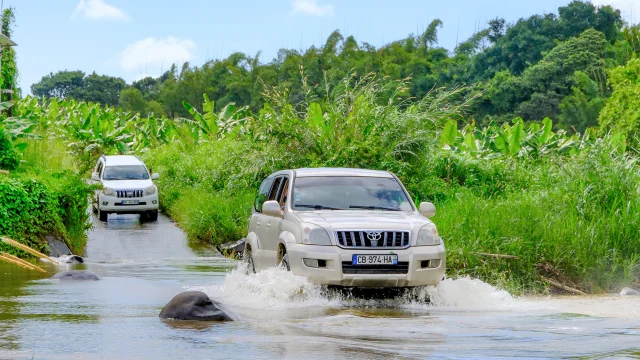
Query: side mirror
(155, 176)
(271, 208)
(427, 209)
(95, 177)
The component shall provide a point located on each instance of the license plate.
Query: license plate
(130, 202)
(374, 260)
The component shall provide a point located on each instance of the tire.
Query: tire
(285, 262)
(152, 215)
(248, 259)
(102, 215)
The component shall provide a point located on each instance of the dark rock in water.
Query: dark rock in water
(76, 275)
(232, 249)
(194, 305)
(71, 259)
(629, 292)
(57, 247)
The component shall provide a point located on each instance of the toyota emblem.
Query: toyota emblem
(374, 235)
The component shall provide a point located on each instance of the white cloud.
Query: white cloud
(97, 10)
(628, 8)
(310, 7)
(152, 51)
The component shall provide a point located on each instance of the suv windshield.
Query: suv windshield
(349, 192)
(125, 172)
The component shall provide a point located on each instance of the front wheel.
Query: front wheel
(102, 215)
(152, 215)
(248, 259)
(285, 262)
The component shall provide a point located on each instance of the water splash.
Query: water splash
(278, 289)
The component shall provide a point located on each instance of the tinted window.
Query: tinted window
(274, 189)
(352, 193)
(126, 172)
(263, 193)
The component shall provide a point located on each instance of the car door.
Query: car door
(97, 171)
(273, 223)
(256, 221)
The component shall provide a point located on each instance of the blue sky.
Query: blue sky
(132, 38)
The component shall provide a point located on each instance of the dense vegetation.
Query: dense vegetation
(524, 137)
(40, 194)
(542, 66)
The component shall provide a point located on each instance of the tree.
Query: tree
(9, 71)
(73, 84)
(131, 100)
(99, 88)
(58, 85)
(622, 110)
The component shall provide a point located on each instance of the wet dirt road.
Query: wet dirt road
(282, 316)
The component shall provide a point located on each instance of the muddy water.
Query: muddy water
(283, 316)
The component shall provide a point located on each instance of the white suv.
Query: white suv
(345, 227)
(127, 188)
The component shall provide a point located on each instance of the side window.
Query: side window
(263, 193)
(275, 189)
(284, 193)
(99, 169)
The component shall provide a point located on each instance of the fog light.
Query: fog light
(313, 263)
(105, 203)
(432, 264)
(154, 202)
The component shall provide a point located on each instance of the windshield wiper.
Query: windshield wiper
(316, 207)
(373, 207)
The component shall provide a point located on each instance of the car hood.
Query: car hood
(365, 219)
(127, 184)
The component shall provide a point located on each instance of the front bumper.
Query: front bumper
(333, 274)
(113, 204)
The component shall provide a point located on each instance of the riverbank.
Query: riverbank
(41, 195)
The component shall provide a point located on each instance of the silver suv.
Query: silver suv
(345, 227)
(127, 188)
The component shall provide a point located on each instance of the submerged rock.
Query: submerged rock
(194, 305)
(629, 292)
(232, 249)
(71, 259)
(76, 275)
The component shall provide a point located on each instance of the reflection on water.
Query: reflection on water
(282, 316)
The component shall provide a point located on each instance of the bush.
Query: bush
(9, 158)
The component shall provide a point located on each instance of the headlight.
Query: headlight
(315, 235)
(150, 190)
(428, 235)
(108, 191)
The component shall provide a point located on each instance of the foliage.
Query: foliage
(525, 69)
(621, 114)
(31, 208)
(75, 85)
(533, 140)
(9, 158)
(540, 90)
(575, 221)
(9, 71)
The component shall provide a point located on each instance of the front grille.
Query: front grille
(373, 239)
(401, 268)
(129, 193)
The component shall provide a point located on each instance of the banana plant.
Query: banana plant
(511, 140)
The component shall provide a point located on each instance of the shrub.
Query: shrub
(9, 158)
